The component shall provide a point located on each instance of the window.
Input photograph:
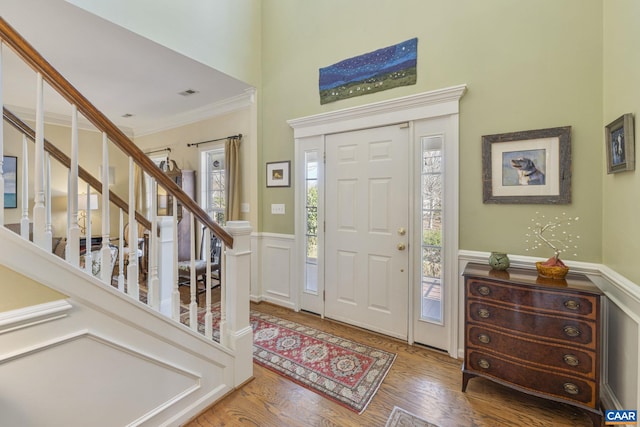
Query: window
(213, 183)
(431, 195)
(311, 232)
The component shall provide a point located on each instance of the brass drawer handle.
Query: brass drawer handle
(570, 360)
(572, 305)
(484, 364)
(484, 313)
(571, 388)
(484, 290)
(484, 338)
(571, 331)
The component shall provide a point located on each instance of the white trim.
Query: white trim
(29, 316)
(412, 108)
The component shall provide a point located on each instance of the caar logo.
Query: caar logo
(620, 417)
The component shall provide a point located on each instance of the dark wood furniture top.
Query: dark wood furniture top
(537, 335)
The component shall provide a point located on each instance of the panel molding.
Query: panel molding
(34, 315)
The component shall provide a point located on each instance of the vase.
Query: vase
(499, 261)
(552, 271)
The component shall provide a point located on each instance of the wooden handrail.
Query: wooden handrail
(58, 155)
(28, 54)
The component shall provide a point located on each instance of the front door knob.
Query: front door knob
(401, 246)
(402, 231)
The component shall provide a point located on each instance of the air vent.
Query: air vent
(127, 115)
(188, 92)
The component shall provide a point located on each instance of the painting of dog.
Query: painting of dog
(528, 173)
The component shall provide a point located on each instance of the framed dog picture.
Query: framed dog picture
(527, 167)
(620, 144)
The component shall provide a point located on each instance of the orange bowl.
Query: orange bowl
(552, 272)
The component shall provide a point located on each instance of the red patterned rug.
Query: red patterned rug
(344, 371)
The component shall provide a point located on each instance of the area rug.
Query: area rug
(339, 369)
(402, 418)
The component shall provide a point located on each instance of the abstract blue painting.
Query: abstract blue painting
(371, 72)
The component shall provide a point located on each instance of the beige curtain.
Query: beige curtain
(232, 178)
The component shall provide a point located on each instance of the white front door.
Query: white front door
(367, 220)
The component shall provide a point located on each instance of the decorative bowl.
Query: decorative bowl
(552, 272)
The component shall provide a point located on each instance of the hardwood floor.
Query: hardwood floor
(422, 381)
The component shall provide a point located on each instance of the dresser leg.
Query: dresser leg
(465, 380)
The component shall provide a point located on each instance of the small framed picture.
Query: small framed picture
(278, 174)
(527, 167)
(620, 144)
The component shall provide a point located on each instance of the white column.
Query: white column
(38, 184)
(193, 305)
(105, 254)
(166, 268)
(24, 220)
(237, 333)
(208, 317)
(175, 295)
(73, 233)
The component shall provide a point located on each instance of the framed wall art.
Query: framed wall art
(10, 173)
(620, 144)
(278, 174)
(527, 167)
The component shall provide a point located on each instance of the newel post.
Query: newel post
(237, 333)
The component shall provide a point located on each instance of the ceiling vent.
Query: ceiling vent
(188, 92)
(127, 115)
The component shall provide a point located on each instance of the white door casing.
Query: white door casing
(366, 261)
(412, 109)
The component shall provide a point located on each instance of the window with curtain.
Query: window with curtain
(212, 186)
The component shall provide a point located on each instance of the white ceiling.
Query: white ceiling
(116, 70)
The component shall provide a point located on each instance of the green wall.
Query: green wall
(621, 191)
(528, 65)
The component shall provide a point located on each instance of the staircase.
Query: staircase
(100, 356)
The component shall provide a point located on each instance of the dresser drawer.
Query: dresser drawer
(572, 360)
(539, 380)
(569, 304)
(568, 330)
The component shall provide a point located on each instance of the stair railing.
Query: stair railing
(234, 329)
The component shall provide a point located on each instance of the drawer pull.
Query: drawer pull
(484, 338)
(570, 360)
(571, 331)
(484, 364)
(571, 388)
(483, 313)
(484, 290)
(572, 305)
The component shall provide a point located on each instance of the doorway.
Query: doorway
(358, 264)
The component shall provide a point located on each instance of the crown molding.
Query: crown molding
(225, 106)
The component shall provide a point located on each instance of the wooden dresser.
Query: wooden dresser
(540, 336)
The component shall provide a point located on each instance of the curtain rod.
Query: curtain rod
(195, 144)
(157, 151)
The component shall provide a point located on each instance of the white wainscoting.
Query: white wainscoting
(621, 326)
(99, 357)
(277, 278)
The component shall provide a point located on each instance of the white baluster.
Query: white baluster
(105, 254)
(193, 305)
(48, 232)
(153, 281)
(38, 183)
(224, 339)
(175, 300)
(121, 253)
(208, 317)
(132, 268)
(88, 256)
(73, 233)
(24, 220)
